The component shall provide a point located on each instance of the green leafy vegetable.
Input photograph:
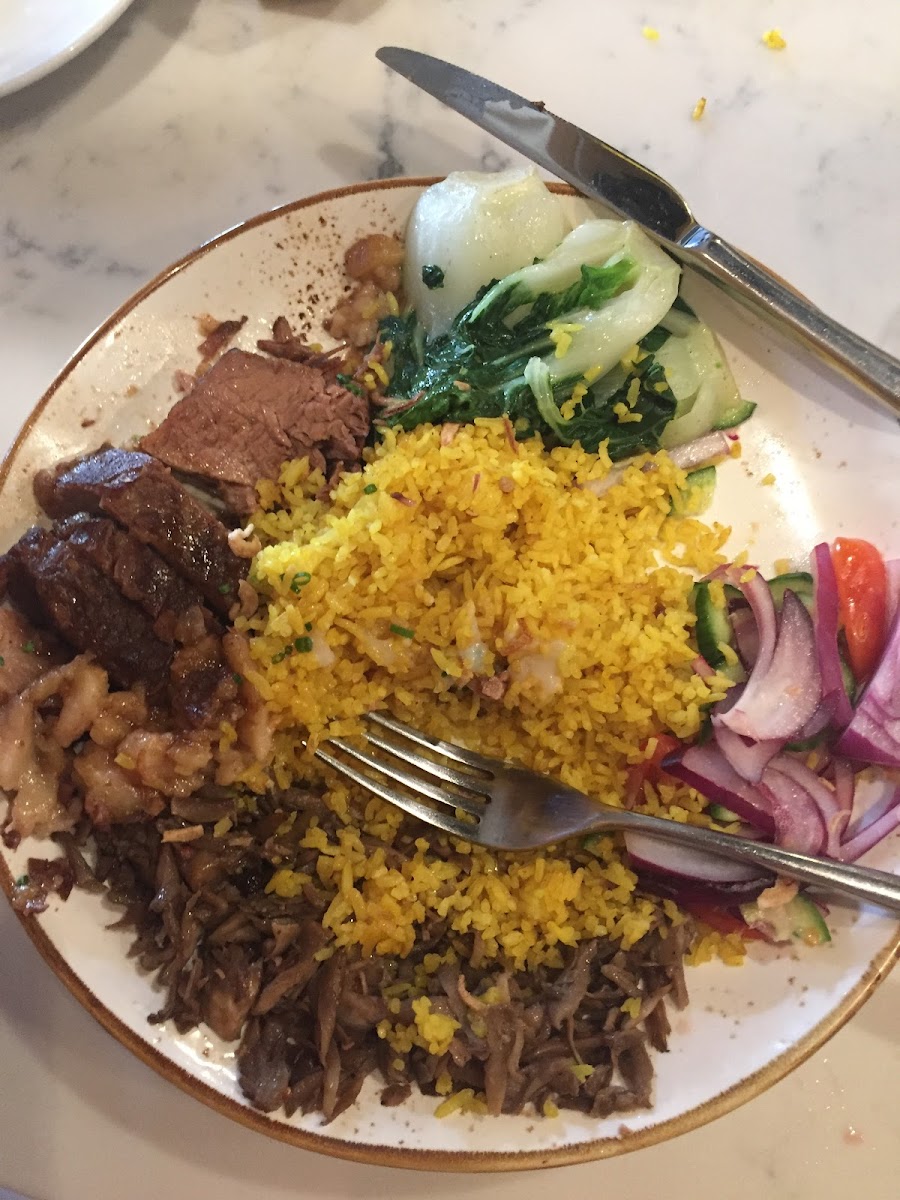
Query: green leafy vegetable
(432, 276)
(552, 346)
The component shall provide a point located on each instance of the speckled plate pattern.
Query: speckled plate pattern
(835, 462)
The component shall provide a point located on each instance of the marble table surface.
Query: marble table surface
(189, 115)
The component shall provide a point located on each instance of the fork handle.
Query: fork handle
(876, 887)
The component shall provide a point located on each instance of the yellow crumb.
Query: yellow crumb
(773, 39)
(767, 480)
(651, 34)
(699, 109)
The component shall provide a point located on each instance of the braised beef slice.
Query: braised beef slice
(139, 571)
(140, 493)
(248, 414)
(88, 609)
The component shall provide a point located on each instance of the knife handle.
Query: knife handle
(871, 368)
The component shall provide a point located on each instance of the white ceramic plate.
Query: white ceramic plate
(835, 461)
(37, 36)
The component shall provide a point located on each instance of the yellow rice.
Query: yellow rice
(444, 557)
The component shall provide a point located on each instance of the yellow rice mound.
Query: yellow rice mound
(457, 554)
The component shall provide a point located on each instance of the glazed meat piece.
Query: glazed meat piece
(138, 492)
(248, 414)
(204, 691)
(142, 575)
(87, 608)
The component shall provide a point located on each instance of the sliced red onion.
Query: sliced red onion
(748, 758)
(874, 798)
(701, 450)
(746, 636)
(706, 769)
(834, 818)
(781, 695)
(844, 784)
(892, 570)
(758, 595)
(871, 836)
(684, 872)
(798, 822)
(819, 721)
(826, 628)
(873, 735)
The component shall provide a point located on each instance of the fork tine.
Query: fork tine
(414, 807)
(461, 779)
(448, 749)
(414, 782)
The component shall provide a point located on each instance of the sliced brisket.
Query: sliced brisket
(138, 492)
(248, 414)
(141, 573)
(87, 608)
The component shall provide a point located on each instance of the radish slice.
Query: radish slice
(706, 769)
(826, 629)
(781, 696)
(686, 862)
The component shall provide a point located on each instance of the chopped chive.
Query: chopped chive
(28, 647)
(279, 657)
(2, 661)
(369, 489)
(303, 645)
(224, 588)
(237, 678)
(402, 631)
(22, 881)
(308, 626)
(300, 580)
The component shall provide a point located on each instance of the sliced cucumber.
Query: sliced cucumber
(713, 628)
(736, 416)
(696, 495)
(850, 684)
(799, 582)
(798, 920)
(723, 815)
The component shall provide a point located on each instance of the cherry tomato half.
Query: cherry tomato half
(649, 769)
(722, 920)
(862, 592)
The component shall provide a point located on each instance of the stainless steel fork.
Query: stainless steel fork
(506, 807)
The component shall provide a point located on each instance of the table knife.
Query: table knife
(637, 193)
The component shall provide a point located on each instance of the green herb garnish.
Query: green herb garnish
(303, 645)
(402, 631)
(369, 489)
(432, 276)
(300, 580)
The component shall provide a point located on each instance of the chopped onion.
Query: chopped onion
(834, 818)
(873, 834)
(748, 758)
(798, 822)
(826, 630)
(699, 451)
(873, 735)
(706, 769)
(782, 694)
